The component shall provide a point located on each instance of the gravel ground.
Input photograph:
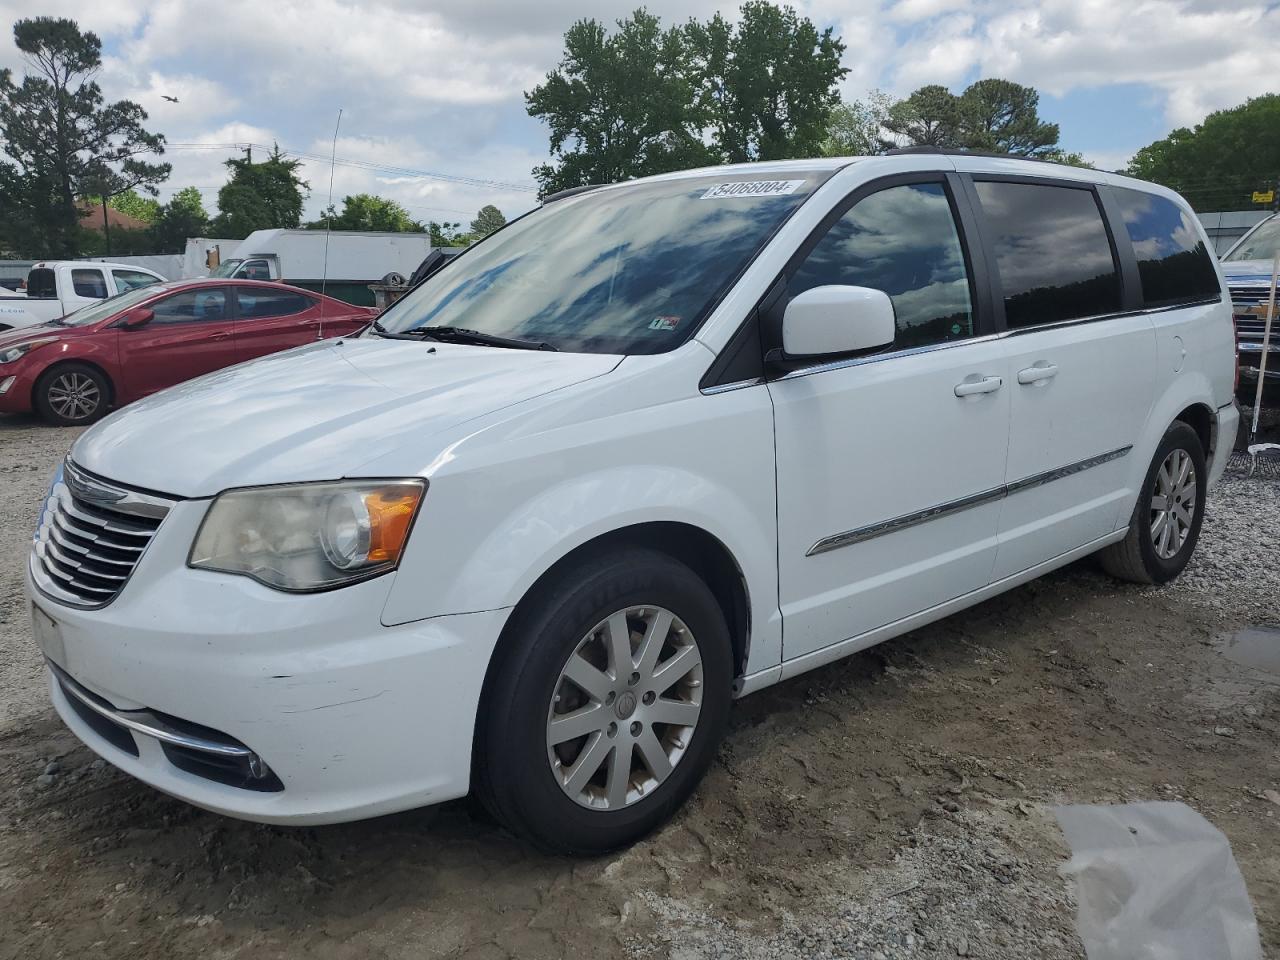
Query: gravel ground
(896, 804)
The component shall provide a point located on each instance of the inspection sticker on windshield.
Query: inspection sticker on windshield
(752, 188)
(664, 323)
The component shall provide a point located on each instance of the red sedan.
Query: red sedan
(73, 370)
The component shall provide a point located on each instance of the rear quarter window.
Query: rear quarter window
(1173, 263)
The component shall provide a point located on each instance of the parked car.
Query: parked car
(54, 289)
(72, 370)
(651, 447)
(1248, 266)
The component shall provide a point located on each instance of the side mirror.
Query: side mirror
(824, 321)
(137, 317)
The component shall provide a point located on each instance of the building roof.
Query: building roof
(91, 219)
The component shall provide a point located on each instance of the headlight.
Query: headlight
(310, 536)
(20, 350)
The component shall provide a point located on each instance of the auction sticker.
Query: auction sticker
(752, 188)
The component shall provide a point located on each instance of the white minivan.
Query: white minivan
(649, 448)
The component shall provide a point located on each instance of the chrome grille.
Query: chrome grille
(1250, 325)
(90, 536)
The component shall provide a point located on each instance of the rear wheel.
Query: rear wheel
(72, 394)
(1166, 521)
(612, 698)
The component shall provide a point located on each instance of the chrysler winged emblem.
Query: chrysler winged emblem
(86, 488)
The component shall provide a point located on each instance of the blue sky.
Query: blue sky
(429, 86)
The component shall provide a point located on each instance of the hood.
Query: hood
(318, 413)
(8, 338)
(1247, 271)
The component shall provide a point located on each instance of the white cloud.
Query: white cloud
(437, 85)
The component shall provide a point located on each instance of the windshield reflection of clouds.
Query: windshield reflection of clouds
(623, 271)
(1262, 243)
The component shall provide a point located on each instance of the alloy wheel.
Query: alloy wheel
(625, 707)
(1173, 504)
(74, 396)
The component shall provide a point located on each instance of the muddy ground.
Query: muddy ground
(896, 804)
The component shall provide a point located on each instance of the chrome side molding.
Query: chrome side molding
(871, 531)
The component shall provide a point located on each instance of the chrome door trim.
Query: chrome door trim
(859, 534)
(1058, 473)
(871, 531)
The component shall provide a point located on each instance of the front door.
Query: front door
(192, 333)
(1082, 370)
(890, 467)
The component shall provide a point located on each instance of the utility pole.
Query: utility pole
(106, 227)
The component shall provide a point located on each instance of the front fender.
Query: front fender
(488, 532)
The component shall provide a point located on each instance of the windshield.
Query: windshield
(630, 270)
(226, 268)
(105, 308)
(1262, 244)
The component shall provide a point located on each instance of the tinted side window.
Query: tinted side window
(191, 305)
(1173, 263)
(1052, 252)
(254, 270)
(89, 283)
(902, 240)
(42, 284)
(270, 303)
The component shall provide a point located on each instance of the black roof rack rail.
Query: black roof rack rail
(960, 152)
(572, 192)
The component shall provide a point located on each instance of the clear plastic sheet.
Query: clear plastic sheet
(1156, 881)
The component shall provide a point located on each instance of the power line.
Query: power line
(366, 165)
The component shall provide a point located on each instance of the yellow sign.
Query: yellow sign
(1260, 197)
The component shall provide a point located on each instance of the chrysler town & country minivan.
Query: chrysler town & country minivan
(649, 448)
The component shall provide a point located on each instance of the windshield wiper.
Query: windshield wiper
(463, 335)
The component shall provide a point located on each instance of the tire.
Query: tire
(546, 789)
(1156, 550)
(72, 395)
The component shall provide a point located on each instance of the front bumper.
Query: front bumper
(354, 719)
(17, 384)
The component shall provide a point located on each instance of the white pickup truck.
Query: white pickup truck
(56, 288)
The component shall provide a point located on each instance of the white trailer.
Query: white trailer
(355, 259)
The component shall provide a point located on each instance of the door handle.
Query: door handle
(221, 336)
(968, 388)
(1037, 373)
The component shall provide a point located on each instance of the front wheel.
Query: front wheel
(1166, 521)
(611, 701)
(72, 395)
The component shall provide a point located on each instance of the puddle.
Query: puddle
(1256, 647)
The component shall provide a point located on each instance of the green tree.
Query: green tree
(994, 115)
(487, 220)
(929, 117)
(619, 105)
(766, 84)
(1003, 117)
(854, 128)
(364, 211)
(448, 234)
(63, 140)
(131, 204)
(1220, 162)
(260, 196)
(181, 218)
